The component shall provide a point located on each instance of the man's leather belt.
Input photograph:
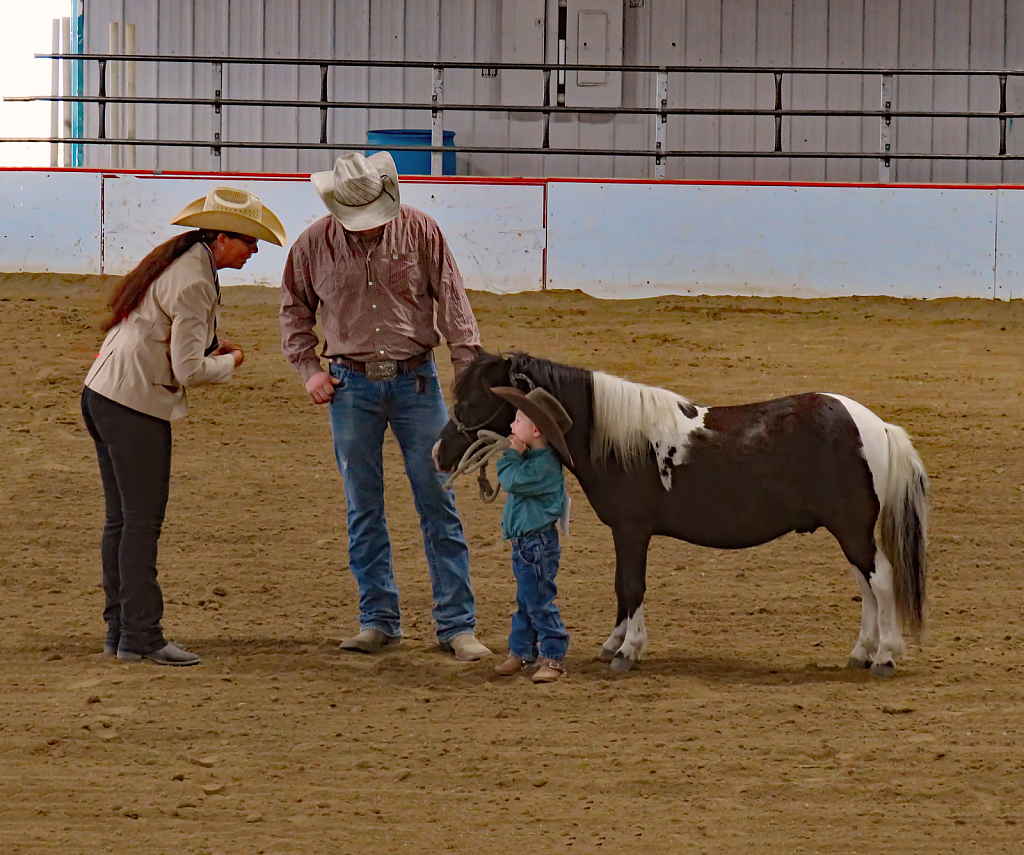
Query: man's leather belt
(385, 369)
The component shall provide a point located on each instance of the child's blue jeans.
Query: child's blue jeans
(537, 624)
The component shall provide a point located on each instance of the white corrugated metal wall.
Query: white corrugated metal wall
(829, 33)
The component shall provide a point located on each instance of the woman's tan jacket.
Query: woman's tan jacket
(149, 358)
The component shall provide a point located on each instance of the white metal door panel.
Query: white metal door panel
(351, 41)
(490, 128)
(770, 240)
(594, 35)
(1013, 170)
(174, 121)
(496, 232)
(1009, 278)
(917, 33)
(774, 48)
(245, 38)
(987, 43)
(846, 91)
(281, 83)
(50, 222)
(810, 49)
(950, 93)
(702, 34)
(736, 133)
(522, 40)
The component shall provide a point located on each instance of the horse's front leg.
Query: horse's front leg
(628, 640)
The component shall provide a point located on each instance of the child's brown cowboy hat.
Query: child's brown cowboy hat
(544, 410)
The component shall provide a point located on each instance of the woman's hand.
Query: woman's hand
(229, 347)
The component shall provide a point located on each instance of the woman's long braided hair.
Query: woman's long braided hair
(130, 291)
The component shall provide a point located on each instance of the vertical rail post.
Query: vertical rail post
(115, 91)
(660, 123)
(65, 37)
(101, 104)
(218, 113)
(437, 123)
(323, 102)
(129, 91)
(55, 93)
(778, 111)
(885, 131)
(1002, 110)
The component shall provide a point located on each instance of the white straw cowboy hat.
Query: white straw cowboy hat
(362, 192)
(227, 209)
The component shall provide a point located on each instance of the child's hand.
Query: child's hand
(516, 444)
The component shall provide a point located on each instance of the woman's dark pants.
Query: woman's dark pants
(134, 452)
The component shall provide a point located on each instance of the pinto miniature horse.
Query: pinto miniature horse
(652, 463)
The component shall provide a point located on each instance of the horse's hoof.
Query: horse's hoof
(858, 664)
(622, 663)
(606, 655)
(883, 669)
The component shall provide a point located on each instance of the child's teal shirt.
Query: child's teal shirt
(536, 490)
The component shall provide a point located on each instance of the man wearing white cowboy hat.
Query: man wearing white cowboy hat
(377, 271)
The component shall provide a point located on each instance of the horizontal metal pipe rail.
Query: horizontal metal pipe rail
(534, 66)
(499, 108)
(661, 111)
(582, 152)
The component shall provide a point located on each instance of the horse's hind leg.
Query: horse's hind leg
(630, 633)
(878, 646)
(890, 635)
(863, 654)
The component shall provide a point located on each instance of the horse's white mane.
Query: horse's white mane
(629, 418)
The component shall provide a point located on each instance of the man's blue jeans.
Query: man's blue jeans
(537, 623)
(413, 405)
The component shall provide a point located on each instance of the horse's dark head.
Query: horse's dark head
(476, 408)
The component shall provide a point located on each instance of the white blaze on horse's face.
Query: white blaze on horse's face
(629, 418)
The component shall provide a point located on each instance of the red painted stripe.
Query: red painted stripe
(490, 180)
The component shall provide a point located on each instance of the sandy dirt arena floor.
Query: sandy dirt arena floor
(742, 730)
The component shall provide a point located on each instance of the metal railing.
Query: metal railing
(659, 110)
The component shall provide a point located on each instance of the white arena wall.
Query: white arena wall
(617, 240)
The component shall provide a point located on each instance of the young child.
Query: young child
(531, 473)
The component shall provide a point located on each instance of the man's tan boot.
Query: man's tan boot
(466, 648)
(370, 641)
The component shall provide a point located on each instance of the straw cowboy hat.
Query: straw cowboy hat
(543, 409)
(227, 209)
(362, 192)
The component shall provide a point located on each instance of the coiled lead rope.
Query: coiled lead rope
(488, 446)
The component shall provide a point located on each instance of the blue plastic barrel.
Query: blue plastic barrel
(412, 162)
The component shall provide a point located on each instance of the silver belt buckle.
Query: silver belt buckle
(384, 369)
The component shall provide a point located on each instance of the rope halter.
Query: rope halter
(488, 446)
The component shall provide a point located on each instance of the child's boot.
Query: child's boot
(549, 671)
(513, 665)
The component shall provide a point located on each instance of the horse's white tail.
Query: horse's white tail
(904, 528)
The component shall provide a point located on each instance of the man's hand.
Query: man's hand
(321, 387)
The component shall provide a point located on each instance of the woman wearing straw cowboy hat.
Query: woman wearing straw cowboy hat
(161, 338)
(375, 269)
